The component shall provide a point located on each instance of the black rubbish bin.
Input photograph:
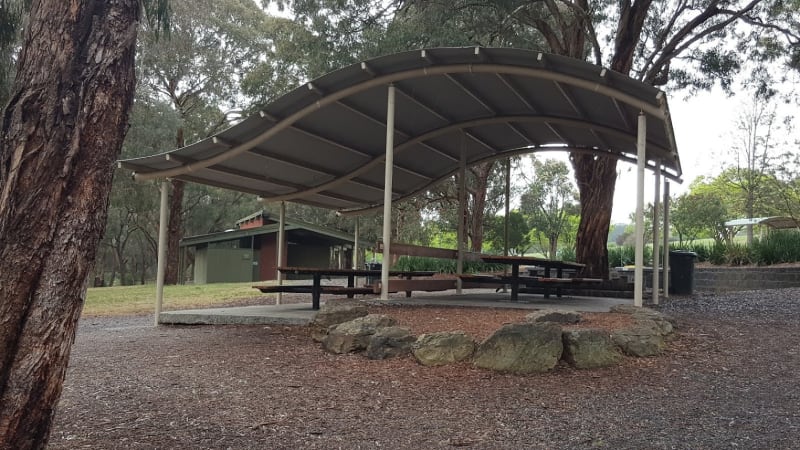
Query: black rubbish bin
(372, 279)
(681, 268)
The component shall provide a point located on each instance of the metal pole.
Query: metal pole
(666, 239)
(355, 245)
(387, 194)
(281, 244)
(508, 206)
(641, 140)
(656, 241)
(508, 211)
(462, 206)
(355, 249)
(162, 249)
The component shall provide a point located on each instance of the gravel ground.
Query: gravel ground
(728, 380)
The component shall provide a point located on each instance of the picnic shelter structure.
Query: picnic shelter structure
(383, 130)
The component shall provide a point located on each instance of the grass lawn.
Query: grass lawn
(140, 299)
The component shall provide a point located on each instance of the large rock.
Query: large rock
(643, 338)
(333, 313)
(436, 349)
(521, 348)
(664, 322)
(354, 335)
(590, 348)
(554, 315)
(388, 342)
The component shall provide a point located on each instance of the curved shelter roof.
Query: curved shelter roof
(323, 143)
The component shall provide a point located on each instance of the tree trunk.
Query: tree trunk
(553, 250)
(175, 225)
(174, 232)
(596, 181)
(62, 131)
(480, 185)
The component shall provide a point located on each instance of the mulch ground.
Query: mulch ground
(728, 379)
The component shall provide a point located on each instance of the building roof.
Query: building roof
(777, 222)
(323, 144)
(291, 226)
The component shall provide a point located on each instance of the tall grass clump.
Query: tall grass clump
(777, 247)
(625, 255)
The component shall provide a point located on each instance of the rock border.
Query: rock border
(534, 346)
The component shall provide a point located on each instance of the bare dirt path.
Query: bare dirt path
(730, 379)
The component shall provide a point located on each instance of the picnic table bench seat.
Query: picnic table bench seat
(308, 289)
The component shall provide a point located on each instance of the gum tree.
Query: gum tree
(60, 135)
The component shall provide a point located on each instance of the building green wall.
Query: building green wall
(228, 265)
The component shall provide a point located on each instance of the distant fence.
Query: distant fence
(721, 279)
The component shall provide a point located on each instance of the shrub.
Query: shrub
(777, 247)
(738, 254)
(566, 254)
(625, 255)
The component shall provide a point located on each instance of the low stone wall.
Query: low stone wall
(721, 279)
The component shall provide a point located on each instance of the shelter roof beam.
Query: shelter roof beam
(485, 121)
(250, 176)
(274, 157)
(405, 134)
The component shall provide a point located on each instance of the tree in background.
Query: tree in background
(696, 215)
(519, 241)
(754, 157)
(61, 132)
(211, 48)
(658, 42)
(548, 201)
(786, 183)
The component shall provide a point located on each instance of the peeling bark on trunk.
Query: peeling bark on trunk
(174, 232)
(61, 133)
(478, 190)
(596, 181)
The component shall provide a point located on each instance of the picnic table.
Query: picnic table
(316, 289)
(515, 279)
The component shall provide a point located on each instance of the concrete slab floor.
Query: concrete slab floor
(302, 314)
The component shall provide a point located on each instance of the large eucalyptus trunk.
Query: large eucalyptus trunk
(61, 133)
(597, 176)
(596, 181)
(174, 232)
(175, 223)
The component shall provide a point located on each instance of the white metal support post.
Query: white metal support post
(656, 240)
(666, 239)
(462, 206)
(641, 140)
(508, 211)
(280, 245)
(387, 194)
(162, 249)
(355, 247)
(355, 244)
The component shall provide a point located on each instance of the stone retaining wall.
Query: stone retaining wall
(721, 279)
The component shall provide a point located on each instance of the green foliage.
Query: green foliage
(738, 254)
(518, 239)
(698, 213)
(549, 201)
(780, 246)
(443, 265)
(566, 254)
(625, 255)
(777, 247)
